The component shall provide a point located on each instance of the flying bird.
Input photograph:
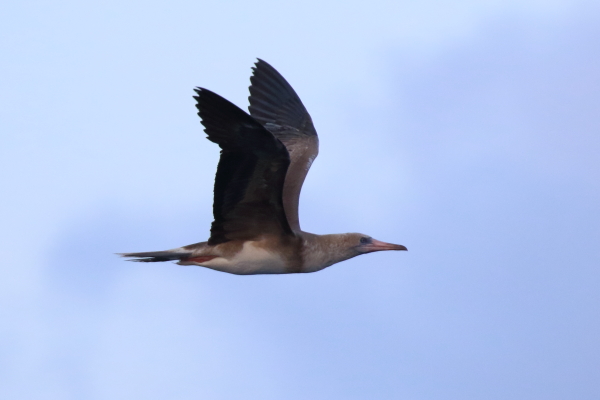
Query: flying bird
(265, 156)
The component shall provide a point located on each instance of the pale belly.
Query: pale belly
(249, 261)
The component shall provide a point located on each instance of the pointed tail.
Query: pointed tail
(158, 256)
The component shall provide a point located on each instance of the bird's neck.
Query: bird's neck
(321, 251)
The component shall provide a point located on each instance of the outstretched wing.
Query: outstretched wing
(250, 176)
(276, 105)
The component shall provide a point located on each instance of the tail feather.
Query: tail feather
(158, 256)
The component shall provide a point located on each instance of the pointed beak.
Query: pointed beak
(376, 245)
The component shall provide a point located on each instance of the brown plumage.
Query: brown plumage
(265, 157)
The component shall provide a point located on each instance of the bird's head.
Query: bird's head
(330, 249)
(366, 244)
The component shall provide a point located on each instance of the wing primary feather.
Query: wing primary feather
(279, 103)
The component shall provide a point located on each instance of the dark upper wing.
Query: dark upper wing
(250, 175)
(276, 105)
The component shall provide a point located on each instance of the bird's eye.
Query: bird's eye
(364, 240)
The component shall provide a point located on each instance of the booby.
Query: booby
(265, 156)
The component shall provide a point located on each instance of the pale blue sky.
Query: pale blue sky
(467, 131)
